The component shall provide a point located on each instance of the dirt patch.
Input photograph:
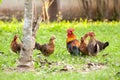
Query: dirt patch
(64, 67)
(93, 66)
(52, 66)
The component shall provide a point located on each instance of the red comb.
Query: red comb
(70, 29)
(91, 33)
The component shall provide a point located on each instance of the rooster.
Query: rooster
(72, 43)
(84, 44)
(16, 44)
(95, 46)
(48, 48)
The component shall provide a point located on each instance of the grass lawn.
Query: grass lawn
(106, 65)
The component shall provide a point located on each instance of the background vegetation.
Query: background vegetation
(105, 31)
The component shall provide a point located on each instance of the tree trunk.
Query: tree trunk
(25, 62)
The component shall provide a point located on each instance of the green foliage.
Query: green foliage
(0, 1)
(105, 31)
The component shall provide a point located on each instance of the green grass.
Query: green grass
(105, 31)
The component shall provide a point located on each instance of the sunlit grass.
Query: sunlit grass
(105, 31)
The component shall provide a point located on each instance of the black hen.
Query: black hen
(95, 46)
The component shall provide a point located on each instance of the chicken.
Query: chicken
(48, 48)
(72, 43)
(16, 44)
(95, 46)
(84, 44)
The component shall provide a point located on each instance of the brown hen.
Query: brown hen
(48, 48)
(84, 44)
(16, 44)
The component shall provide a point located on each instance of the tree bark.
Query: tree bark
(25, 62)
